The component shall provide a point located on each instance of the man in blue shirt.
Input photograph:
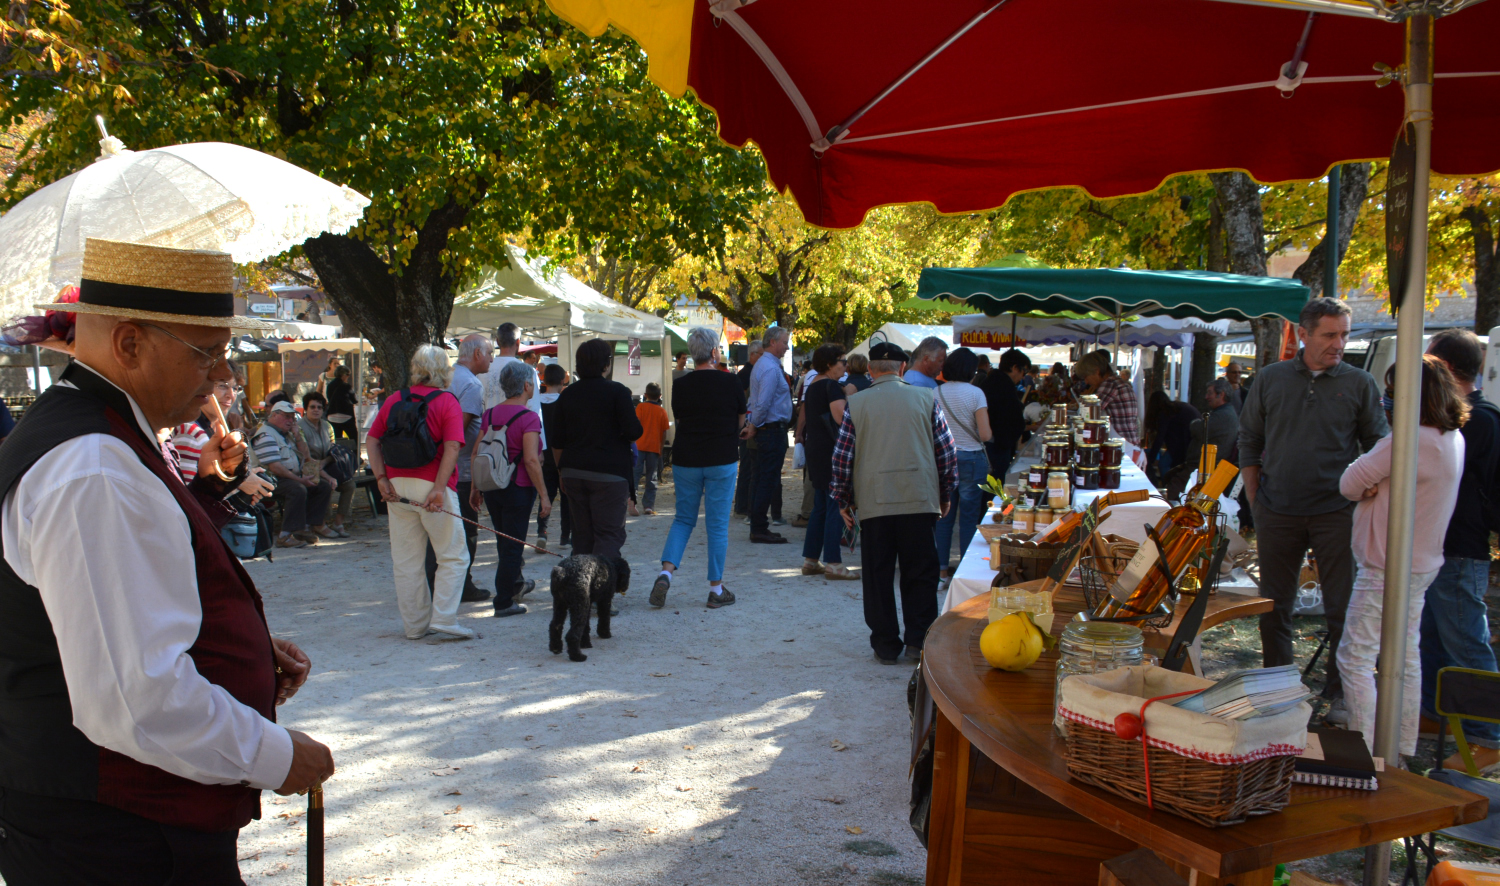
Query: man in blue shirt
(770, 415)
(926, 362)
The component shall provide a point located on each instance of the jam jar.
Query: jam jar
(1059, 413)
(1085, 478)
(1112, 453)
(1087, 455)
(1056, 453)
(1109, 477)
(1090, 647)
(1036, 475)
(1093, 432)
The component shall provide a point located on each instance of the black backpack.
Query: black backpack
(407, 442)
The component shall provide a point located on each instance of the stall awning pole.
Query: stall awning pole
(1402, 520)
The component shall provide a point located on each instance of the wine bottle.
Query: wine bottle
(1183, 532)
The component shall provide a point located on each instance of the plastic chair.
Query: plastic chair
(1462, 694)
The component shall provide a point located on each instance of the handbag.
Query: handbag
(248, 533)
(340, 466)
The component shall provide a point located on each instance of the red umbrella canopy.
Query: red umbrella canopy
(1107, 95)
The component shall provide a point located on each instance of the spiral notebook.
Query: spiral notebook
(1337, 758)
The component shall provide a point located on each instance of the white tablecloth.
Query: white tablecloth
(973, 575)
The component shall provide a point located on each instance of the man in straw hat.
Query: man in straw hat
(137, 677)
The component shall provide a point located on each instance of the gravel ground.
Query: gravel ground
(759, 743)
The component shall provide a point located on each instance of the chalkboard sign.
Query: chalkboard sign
(1400, 200)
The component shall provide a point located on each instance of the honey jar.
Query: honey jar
(1112, 453)
(1087, 455)
(1036, 475)
(1109, 476)
(1085, 477)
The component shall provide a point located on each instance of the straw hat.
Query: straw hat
(140, 282)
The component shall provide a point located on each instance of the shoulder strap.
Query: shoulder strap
(968, 426)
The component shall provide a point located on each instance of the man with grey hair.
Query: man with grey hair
(507, 350)
(770, 416)
(927, 362)
(474, 358)
(1303, 422)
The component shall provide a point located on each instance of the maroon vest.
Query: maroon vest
(233, 650)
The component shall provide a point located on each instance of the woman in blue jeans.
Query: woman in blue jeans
(708, 405)
(510, 508)
(822, 414)
(968, 415)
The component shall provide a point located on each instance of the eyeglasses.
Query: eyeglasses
(225, 387)
(205, 359)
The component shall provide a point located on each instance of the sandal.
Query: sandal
(325, 532)
(338, 531)
(839, 572)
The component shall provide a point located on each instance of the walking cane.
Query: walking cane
(315, 835)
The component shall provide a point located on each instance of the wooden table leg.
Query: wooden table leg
(950, 786)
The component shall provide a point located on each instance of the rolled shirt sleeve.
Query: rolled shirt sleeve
(125, 610)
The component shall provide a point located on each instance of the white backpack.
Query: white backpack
(493, 469)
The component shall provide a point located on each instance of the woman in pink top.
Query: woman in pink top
(510, 508)
(1440, 461)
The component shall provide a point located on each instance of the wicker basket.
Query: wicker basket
(1212, 771)
(992, 531)
(1210, 794)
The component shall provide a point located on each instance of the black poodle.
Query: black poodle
(577, 582)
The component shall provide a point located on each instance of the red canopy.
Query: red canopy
(1109, 95)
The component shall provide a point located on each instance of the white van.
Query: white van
(1380, 353)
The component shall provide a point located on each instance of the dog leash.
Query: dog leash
(407, 501)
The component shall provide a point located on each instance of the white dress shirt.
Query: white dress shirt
(110, 551)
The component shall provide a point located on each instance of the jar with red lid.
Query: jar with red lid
(1109, 476)
(1087, 455)
(1111, 454)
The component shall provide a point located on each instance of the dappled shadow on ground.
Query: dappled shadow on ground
(745, 745)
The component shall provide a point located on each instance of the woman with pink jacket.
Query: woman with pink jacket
(1440, 460)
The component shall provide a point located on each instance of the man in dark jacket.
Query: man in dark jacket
(1007, 416)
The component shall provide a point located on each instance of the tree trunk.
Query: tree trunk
(397, 313)
(1205, 368)
(1486, 270)
(1354, 186)
(1245, 233)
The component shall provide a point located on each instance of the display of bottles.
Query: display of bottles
(1183, 532)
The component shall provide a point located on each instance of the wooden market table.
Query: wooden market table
(1005, 810)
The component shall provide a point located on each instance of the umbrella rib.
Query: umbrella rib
(1197, 93)
(838, 131)
(773, 64)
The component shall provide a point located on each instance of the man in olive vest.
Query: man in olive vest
(138, 680)
(897, 480)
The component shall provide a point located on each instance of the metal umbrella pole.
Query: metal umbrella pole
(1409, 321)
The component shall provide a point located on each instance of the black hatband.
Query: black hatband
(156, 299)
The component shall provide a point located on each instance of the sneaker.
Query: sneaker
(812, 568)
(885, 661)
(777, 521)
(725, 597)
(523, 588)
(659, 590)
(649, 512)
(839, 572)
(913, 653)
(767, 538)
(290, 541)
(513, 609)
(1338, 714)
(307, 536)
(943, 582)
(474, 594)
(799, 521)
(458, 631)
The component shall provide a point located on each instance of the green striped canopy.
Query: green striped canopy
(1117, 291)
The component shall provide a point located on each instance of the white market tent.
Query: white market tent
(907, 335)
(546, 301)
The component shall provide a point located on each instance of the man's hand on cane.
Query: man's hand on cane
(312, 764)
